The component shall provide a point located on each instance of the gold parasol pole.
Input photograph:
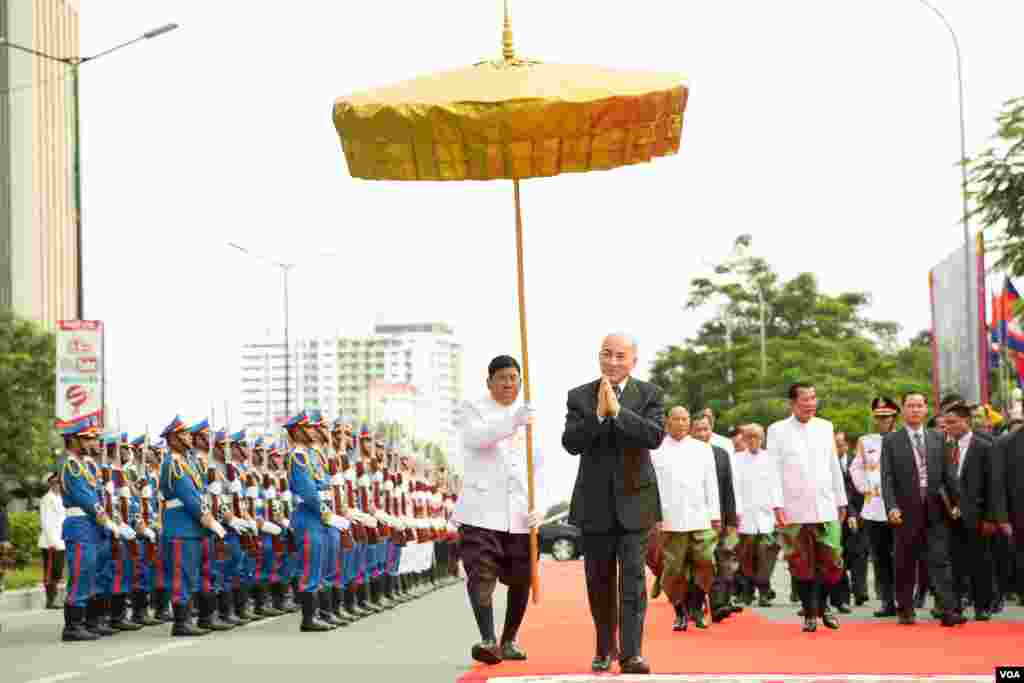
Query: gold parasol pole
(534, 576)
(508, 52)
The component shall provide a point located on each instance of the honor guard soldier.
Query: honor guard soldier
(332, 535)
(268, 592)
(289, 575)
(230, 569)
(341, 441)
(187, 518)
(81, 532)
(213, 550)
(147, 529)
(244, 566)
(310, 519)
(127, 510)
(159, 590)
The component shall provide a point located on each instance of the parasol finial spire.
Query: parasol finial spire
(506, 38)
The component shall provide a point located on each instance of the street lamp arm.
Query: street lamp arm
(282, 266)
(43, 55)
(159, 31)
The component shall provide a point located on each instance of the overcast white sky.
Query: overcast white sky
(827, 129)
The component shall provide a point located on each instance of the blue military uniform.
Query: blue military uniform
(182, 489)
(81, 534)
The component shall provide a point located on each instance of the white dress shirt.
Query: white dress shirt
(808, 470)
(494, 486)
(754, 475)
(687, 483)
(51, 521)
(723, 443)
(964, 443)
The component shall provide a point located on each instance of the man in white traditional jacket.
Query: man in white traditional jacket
(809, 502)
(51, 522)
(493, 513)
(691, 518)
(755, 473)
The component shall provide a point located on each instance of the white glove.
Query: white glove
(150, 535)
(235, 487)
(112, 528)
(216, 488)
(127, 533)
(239, 525)
(286, 523)
(339, 523)
(523, 416)
(271, 528)
(534, 518)
(216, 528)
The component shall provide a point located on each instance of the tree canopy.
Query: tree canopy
(809, 335)
(27, 367)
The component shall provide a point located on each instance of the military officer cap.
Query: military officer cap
(109, 439)
(203, 426)
(260, 443)
(86, 427)
(883, 406)
(176, 426)
(298, 420)
(220, 437)
(140, 440)
(239, 438)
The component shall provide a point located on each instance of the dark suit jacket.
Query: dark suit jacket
(726, 493)
(900, 486)
(975, 483)
(1006, 476)
(616, 480)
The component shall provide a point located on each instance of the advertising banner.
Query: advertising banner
(79, 371)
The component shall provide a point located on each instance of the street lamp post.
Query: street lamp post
(971, 340)
(74, 63)
(285, 268)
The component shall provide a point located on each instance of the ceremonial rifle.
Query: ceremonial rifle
(358, 530)
(339, 503)
(273, 508)
(147, 515)
(362, 479)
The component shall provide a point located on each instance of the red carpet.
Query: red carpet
(558, 636)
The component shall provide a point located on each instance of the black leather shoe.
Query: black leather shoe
(720, 615)
(950, 619)
(600, 664)
(886, 611)
(634, 665)
(680, 623)
(794, 598)
(698, 618)
(919, 600)
(907, 617)
(982, 615)
(844, 609)
(860, 600)
(486, 652)
(810, 625)
(764, 601)
(511, 652)
(830, 619)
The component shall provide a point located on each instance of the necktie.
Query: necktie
(618, 390)
(956, 455)
(922, 467)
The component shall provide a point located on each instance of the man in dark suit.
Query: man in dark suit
(972, 559)
(917, 483)
(725, 553)
(1007, 481)
(613, 423)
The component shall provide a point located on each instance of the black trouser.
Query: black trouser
(854, 580)
(972, 566)
(932, 540)
(1002, 554)
(614, 564)
(881, 539)
(53, 567)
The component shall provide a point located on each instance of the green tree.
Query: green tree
(996, 185)
(809, 335)
(27, 359)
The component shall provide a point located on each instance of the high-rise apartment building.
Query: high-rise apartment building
(411, 373)
(38, 243)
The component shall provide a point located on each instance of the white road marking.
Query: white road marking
(58, 677)
(761, 678)
(147, 653)
(16, 615)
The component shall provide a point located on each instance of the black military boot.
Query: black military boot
(74, 626)
(140, 610)
(291, 602)
(225, 607)
(183, 626)
(51, 597)
(310, 622)
(259, 601)
(338, 607)
(94, 618)
(382, 594)
(277, 596)
(325, 609)
(208, 618)
(349, 596)
(241, 600)
(119, 614)
(162, 607)
(363, 599)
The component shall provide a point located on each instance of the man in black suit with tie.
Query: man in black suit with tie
(918, 484)
(1007, 480)
(854, 582)
(612, 424)
(972, 560)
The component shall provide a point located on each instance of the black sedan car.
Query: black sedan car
(560, 539)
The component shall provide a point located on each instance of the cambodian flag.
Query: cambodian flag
(1013, 333)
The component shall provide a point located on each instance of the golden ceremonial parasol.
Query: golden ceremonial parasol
(511, 119)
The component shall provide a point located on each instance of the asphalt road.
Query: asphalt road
(426, 640)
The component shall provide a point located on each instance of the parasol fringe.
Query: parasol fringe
(506, 38)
